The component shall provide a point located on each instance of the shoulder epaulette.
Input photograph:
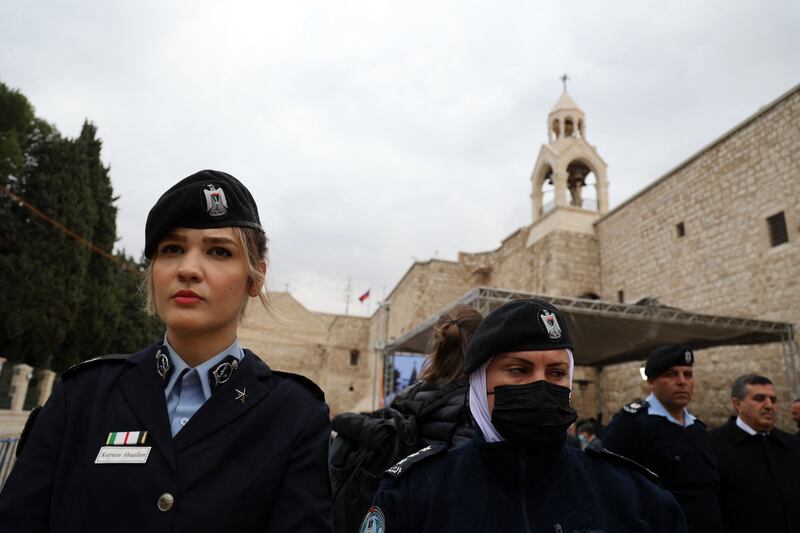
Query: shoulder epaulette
(110, 358)
(602, 453)
(634, 407)
(305, 382)
(405, 464)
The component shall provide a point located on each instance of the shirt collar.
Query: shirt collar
(202, 369)
(658, 409)
(745, 427)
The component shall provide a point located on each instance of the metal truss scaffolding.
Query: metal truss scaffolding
(607, 333)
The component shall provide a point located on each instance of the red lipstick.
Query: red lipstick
(186, 297)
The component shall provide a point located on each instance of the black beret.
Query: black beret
(206, 199)
(518, 326)
(665, 357)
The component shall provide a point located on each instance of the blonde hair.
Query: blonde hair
(254, 244)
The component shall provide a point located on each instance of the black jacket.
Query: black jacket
(760, 478)
(681, 456)
(240, 466)
(446, 419)
(498, 487)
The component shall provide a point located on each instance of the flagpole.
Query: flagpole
(347, 297)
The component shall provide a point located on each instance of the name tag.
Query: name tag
(122, 455)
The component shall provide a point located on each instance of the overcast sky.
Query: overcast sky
(375, 133)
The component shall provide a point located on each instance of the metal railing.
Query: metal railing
(8, 453)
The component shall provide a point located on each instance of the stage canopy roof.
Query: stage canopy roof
(606, 333)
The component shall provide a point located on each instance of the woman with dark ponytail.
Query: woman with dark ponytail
(432, 411)
(438, 399)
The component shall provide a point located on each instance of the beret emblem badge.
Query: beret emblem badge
(216, 204)
(551, 324)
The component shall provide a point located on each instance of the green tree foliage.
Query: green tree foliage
(136, 330)
(45, 285)
(99, 313)
(62, 301)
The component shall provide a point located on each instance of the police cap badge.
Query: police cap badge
(665, 357)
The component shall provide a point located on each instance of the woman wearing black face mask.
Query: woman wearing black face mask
(517, 474)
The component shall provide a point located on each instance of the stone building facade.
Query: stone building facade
(332, 350)
(699, 238)
(705, 237)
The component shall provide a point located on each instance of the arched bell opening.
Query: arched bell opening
(582, 186)
(569, 127)
(555, 129)
(547, 191)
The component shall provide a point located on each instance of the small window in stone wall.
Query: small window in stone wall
(354, 357)
(680, 229)
(621, 296)
(777, 229)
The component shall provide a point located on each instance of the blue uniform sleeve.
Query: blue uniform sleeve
(26, 495)
(304, 497)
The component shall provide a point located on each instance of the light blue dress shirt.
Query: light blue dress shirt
(188, 388)
(658, 409)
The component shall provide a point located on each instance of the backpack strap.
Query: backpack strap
(415, 458)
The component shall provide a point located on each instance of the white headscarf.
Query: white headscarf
(479, 404)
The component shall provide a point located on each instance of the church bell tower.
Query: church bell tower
(569, 180)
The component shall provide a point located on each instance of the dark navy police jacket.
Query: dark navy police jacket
(498, 487)
(257, 465)
(681, 456)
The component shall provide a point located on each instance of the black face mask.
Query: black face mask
(533, 415)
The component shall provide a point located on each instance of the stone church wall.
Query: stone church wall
(316, 345)
(424, 290)
(562, 263)
(724, 264)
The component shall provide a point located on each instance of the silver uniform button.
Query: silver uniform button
(165, 502)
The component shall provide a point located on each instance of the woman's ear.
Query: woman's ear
(256, 286)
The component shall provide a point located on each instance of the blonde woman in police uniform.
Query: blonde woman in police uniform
(193, 433)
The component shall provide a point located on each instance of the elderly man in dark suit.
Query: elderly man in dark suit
(759, 465)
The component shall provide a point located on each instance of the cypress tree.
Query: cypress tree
(100, 309)
(50, 267)
(16, 125)
(62, 301)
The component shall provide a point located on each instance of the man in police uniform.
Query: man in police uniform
(176, 439)
(662, 435)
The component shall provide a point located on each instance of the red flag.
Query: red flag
(363, 297)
